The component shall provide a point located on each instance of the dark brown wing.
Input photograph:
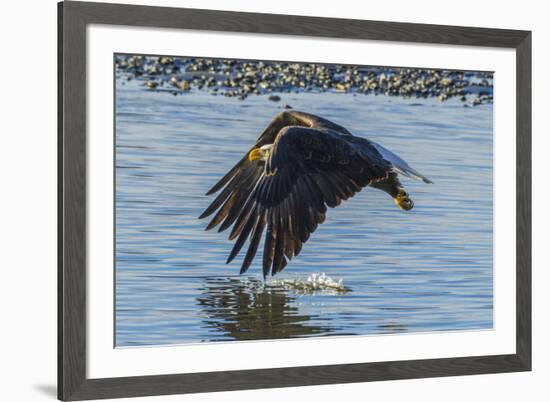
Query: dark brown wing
(287, 196)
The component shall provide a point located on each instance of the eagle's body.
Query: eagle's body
(299, 165)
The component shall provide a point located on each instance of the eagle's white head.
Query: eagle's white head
(261, 153)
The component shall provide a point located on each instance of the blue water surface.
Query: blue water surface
(429, 269)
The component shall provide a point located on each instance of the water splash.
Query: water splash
(314, 284)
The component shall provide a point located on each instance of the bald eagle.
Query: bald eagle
(300, 165)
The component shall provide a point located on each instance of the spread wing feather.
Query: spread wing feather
(314, 163)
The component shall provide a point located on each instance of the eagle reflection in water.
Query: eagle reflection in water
(248, 310)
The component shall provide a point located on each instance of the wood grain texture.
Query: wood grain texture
(523, 200)
(60, 220)
(73, 19)
(72, 286)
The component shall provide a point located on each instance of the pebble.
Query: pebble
(184, 85)
(151, 84)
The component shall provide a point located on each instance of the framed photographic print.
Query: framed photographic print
(365, 188)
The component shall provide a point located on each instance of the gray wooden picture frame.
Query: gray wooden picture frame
(73, 18)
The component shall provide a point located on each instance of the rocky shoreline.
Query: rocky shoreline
(239, 79)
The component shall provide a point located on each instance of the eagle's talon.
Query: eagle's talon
(403, 201)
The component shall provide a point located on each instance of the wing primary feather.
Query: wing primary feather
(299, 212)
(283, 264)
(236, 207)
(295, 228)
(297, 246)
(245, 211)
(278, 253)
(233, 203)
(328, 195)
(353, 183)
(271, 189)
(317, 208)
(243, 236)
(316, 194)
(333, 188)
(218, 201)
(303, 217)
(343, 185)
(222, 213)
(287, 228)
(336, 186)
(270, 236)
(242, 218)
(228, 176)
(308, 219)
(254, 242)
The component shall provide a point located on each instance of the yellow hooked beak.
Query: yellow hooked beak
(255, 154)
